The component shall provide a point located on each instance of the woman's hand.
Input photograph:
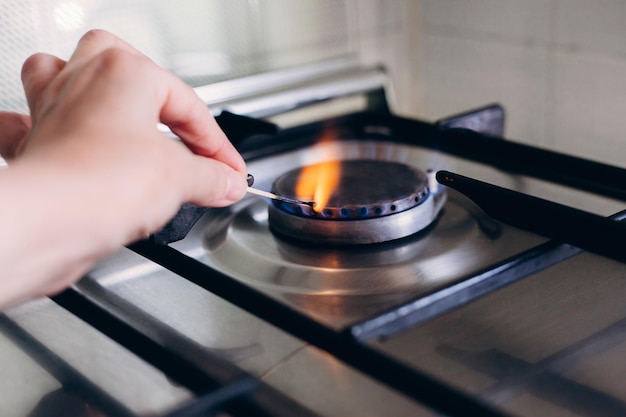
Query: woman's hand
(89, 171)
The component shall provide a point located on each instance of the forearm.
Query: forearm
(47, 240)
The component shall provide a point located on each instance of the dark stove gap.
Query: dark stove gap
(255, 401)
(71, 380)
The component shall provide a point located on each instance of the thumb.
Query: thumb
(213, 183)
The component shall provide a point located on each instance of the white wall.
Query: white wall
(558, 67)
(203, 41)
(388, 32)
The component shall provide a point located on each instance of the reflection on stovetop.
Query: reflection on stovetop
(551, 344)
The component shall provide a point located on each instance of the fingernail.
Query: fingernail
(237, 186)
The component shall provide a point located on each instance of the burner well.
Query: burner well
(375, 201)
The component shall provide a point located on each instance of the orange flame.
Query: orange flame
(318, 181)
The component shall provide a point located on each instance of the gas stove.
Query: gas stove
(449, 272)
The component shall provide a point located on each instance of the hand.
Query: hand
(89, 171)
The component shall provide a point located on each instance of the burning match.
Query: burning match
(273, 196)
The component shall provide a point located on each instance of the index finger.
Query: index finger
(95, 42)
(189, 118)
(180, 107)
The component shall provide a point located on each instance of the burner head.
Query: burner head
(374, 201)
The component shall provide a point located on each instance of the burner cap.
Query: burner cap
(367, 189)
(374, 201)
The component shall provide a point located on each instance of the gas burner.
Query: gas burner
(374, 201)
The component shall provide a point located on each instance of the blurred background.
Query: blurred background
(557, 66)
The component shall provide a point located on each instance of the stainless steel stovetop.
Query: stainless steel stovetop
(340, 286)
(468, 317)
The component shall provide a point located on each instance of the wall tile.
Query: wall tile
(529, 19)
(459, 74)
(590, 104)
(597, 26)
(387, 33)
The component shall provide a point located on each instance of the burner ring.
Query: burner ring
(375, 201)
(367, 189)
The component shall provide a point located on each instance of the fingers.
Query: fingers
(13, 130)
(179, 106)
(95, 42)
(37, 73)
(190, 119)
(103, 63)
(41, 69)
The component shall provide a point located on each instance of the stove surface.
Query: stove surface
(343, 285)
